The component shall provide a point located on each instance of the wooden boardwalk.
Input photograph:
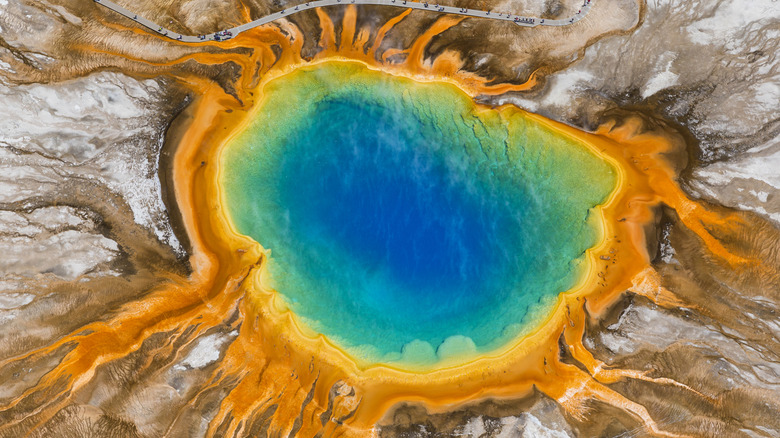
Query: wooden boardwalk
(405, 4)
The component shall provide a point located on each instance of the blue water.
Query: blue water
(398, 220)
(394, 207)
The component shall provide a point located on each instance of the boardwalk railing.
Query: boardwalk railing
(406, 4)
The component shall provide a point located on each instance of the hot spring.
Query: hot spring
(406, 223)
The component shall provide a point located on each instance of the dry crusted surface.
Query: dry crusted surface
(85, 216)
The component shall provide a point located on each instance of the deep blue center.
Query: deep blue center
(391, 202)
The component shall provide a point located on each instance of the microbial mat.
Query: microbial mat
(407, 224)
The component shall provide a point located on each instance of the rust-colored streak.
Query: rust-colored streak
(348, 29)
(416, 59)
(505, 88)
(694, 215)
(382, 32)
(246, 14)
(328, 34)
(362, 39)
